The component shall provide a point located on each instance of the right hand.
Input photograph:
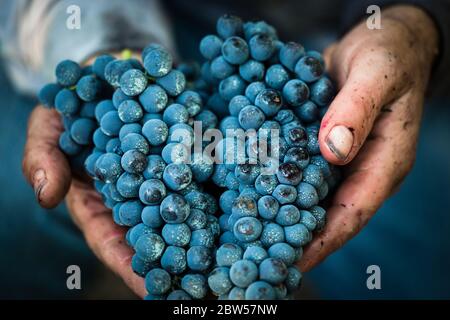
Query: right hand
(47, 170)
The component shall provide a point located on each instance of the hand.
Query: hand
(48, 171)
(373, 123)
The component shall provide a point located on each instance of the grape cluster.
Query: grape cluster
(130, 124)
(259, 82)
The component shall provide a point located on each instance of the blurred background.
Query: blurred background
(408, 238)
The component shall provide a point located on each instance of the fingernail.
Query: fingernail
(39, 181)
(340, 141)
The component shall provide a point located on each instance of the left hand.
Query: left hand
(373, 123)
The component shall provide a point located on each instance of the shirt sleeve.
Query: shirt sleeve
(438, 10)
(40, 33)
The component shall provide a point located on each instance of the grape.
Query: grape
(102, 108)
(133, 82)
(192, 101)
(88, 88)
(174, 260)
(220, 68)
(156, 131)
(202, 237)
(48, 93)
(98, 67)
(276, 76)
(110, 123)
(247, 229)
(322, 91)
(67, 73)
(272, 233)
(199, 258)
(174, 82)
(237, 103)
(289, 173)
(228, 26)
(154, 98)
(133, 161)
(288, 215)
(235, 50)
(231, 86)
(253, 90)
(266, 184)
(307, 195)
(158, 62)
(114, 70)
(297, 155)
(293, 279)
(251, 117)
(210, 46)
(67, 102)
(285, 193)
(130, 111)
(228, 254)
(219, 280)
(87, 110)
(149, 247)
(243, 273)
(309, 69)
(259, 290)
(297, 235)
(195, 285)
(177, 176)
(68, 145)
(252, 71)
(296, 92)
(158, 281)
(273, 271)
(129, 128)
(140, 266)
(130, 212)
(226, 201)
(108, 167)
(196, 220)
(244, 206)
(174, 209)
(283, 252)
(152, 191)
(114, 146)
(261, 47)
(256, 254)
(128, 184)
(175, 113)
(179, 295)
(290, 53)
(134, 141)
(151, 217)
(268, 207)
(177, 234)
(236, 294)
(269, 100)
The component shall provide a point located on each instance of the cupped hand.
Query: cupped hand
(373, 123)
(48, 171)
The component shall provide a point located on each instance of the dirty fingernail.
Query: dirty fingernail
(340, 141)
(39, 181)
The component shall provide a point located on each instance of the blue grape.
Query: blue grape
(130, 212)
(256, 254)
(173, 260)
(293, 279)
(174, 82)
(244, 206)
(297, 155)
(252, 71)
(273, 271)
(174, 209)
(81, 130)
(149, 247)
(158, 281)
(322, 91)
(235, 50)
(320, 214)
(68, 145)
(307, 112)
(192, 102)
(228, 26)
(195, 285)
(210, 46)
(297, 235)
(156, 131)
(307, 195)
(309, 69)
(114, 70)
(236, 294)
(227, 237)
(271, 233)
(219, 175)
(158, 62)
(289, 173)
(228, 254)
(102, 108)
(140, 266)
(220, 68)
(129, 128)
(153, 99)
(288, 215)
(128, 184)
(98, 67)
(108, 168)
(261, 47)
(268, 207)
(231, 86)
(253, 89)
(259, 27)
(176, 234)
(133, 82)
(243, 273)
(179, 295)
(175, 113)
(217, 104)
(150, 216)
(202, 237)
(283, 252)
(199, 258)
(260, 290)
(290, 53)
(226, 201)
(134, 161)
(155, 167)
(113, 146)
(237, 103)
(111, 123)
(247, 229)
(251, 117)
(285, 193)
(308, 220)
(269, 101)
(312, 174)
(88, 88)
(152, 191)
(130, 111)
(89, 163)
(177, 176)
(136, 231)
(276, 76)
(266, 184)
(196, 220)
(134, 141)
(219, 280)
(294, 134)
(67, 102)
(87, 110)
(296, 92)
(67, 73)
(48, 93)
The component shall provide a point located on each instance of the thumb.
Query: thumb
(44, 165)
(369, 86)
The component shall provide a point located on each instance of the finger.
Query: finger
(373, 80)
(104, 237)
(377, 171)
(44, 165)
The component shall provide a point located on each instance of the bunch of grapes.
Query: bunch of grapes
(130, 124)
(260, 83)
